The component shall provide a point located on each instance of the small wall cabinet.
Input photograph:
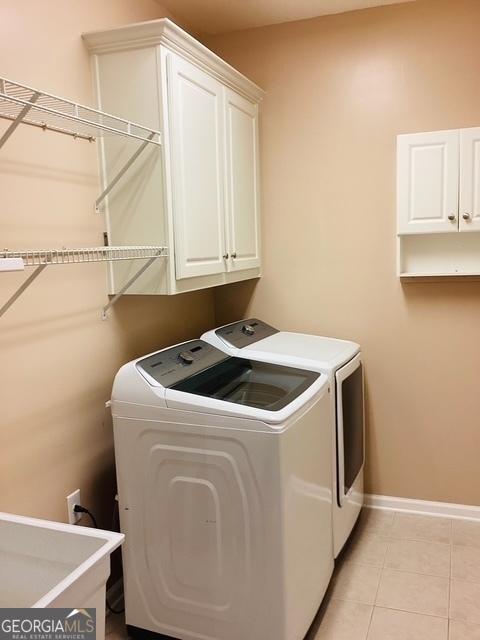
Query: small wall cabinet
(438, 203)
(200, 192)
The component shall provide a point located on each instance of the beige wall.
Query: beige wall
(339, 89)
(57, 357)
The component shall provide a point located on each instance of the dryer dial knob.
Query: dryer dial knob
(248, 330)
(185, 357)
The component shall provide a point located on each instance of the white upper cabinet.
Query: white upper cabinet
(438, 181)
(198, 170)
(242, 181)
(438, 203)
(427, 182)
(200, 195)
(469, 218)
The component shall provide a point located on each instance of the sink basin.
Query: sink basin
(50, 564)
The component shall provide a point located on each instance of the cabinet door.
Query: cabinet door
(196, 135)
(469, 214)
(242, 182)
(427, 182)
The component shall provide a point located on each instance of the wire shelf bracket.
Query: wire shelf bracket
(31, 278)
(18, 119)
(121, 172)
(126, 286)
(45, 257)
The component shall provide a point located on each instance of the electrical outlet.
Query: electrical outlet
(72, 500)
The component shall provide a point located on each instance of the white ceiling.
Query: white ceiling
(222, 16)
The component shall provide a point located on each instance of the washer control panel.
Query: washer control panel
(244, 333)
(172, 365)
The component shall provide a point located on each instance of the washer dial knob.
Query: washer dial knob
(248, 330)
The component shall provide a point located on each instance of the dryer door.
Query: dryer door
(350, 426)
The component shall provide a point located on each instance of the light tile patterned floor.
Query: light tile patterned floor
(401, 577)
(404, 577)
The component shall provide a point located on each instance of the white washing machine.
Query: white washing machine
(341, 361)
(225, 494)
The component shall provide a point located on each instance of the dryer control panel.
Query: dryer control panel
(244, 333)
(170, 366)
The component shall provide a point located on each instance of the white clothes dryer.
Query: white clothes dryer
(225, 494)
(341, 361)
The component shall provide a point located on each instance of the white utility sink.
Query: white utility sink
(50, 564)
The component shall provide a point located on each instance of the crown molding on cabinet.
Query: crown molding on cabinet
(166, 33)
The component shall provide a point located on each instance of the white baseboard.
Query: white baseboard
(424, 507)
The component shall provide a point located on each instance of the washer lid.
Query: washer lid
(303, 350)
(248, 383)
(195, 376)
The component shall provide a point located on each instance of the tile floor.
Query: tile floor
(401, 577)
(404, 577)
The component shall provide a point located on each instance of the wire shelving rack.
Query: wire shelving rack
(42, 258)
(24, 105)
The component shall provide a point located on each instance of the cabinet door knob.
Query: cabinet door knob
(225, 256)
(466, 216)
(452, 217)
(234, 255)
